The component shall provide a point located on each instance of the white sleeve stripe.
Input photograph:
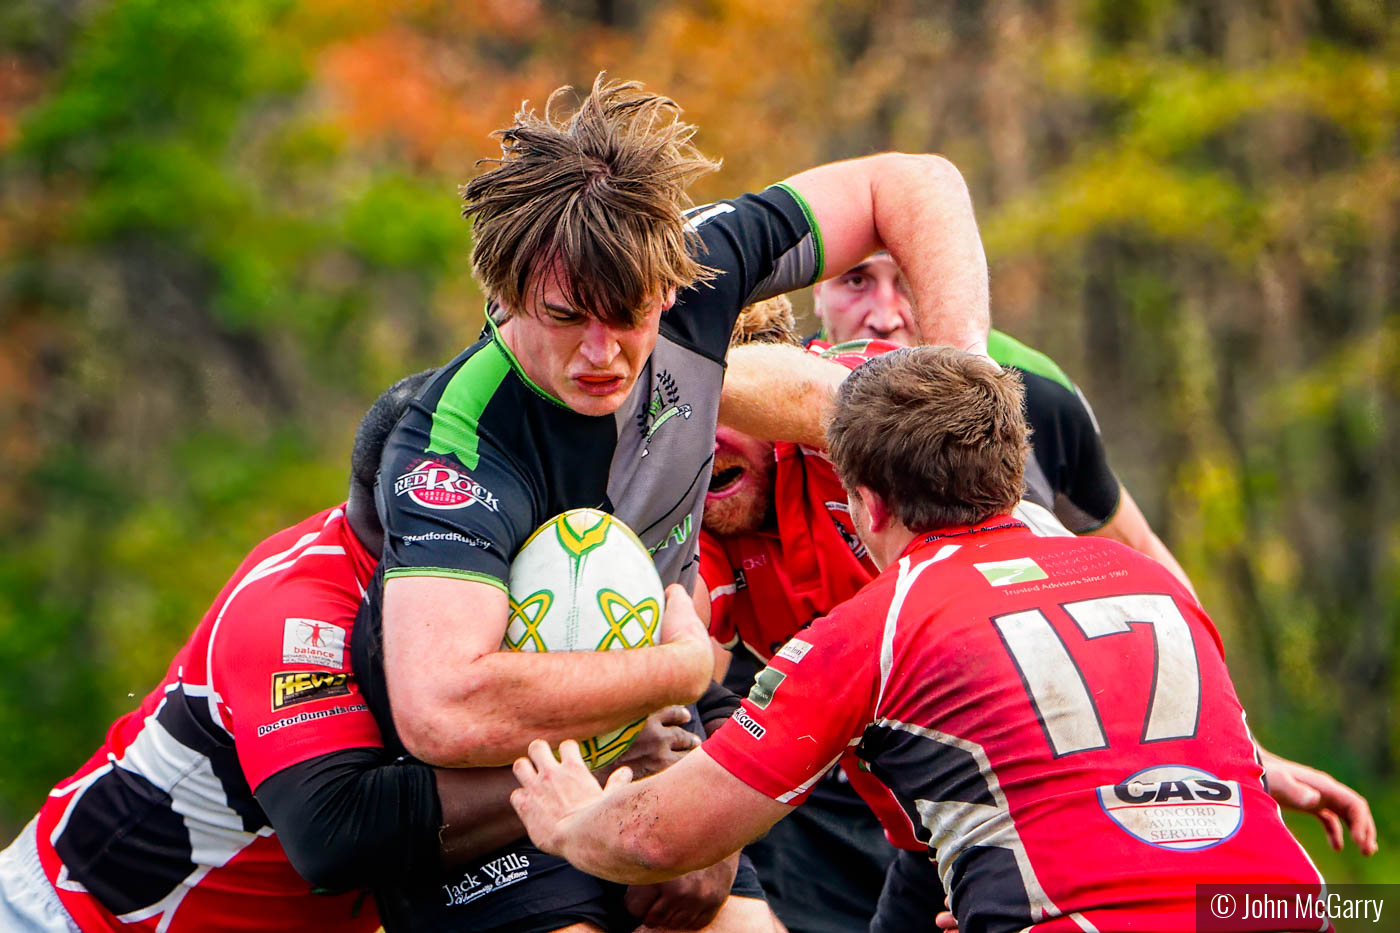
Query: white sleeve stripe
(728, 590)
(266, 567)
(902, 586)
(806, 785)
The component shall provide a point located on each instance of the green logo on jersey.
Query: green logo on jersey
(1011, 572)
(665, 405)
(765, 685)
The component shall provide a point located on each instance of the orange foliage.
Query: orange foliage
(19, 86)
(438, 78)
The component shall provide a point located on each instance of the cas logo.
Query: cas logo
(436, 485)
(1175, 807)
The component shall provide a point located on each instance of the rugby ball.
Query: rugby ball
(583, 581)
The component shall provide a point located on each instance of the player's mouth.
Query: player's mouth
(598, 384)
(725, 482)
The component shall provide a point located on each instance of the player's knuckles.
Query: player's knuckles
(523, 770)
(539, 753)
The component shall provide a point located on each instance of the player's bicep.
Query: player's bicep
(811, 703)
(840, 197)
(447, 515)
(434, 628)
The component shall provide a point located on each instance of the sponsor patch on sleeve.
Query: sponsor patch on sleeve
(765, 685)
(292, 687)
(748, 723)
(434, 484)
(795, 650)
(310, 641)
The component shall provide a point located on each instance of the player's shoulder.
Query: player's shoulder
(1008, 351)
(1053, 401)
(467, 384)
(315, 556)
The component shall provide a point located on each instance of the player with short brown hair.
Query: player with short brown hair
(1006, 688)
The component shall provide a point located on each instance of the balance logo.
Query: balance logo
(1011, 572)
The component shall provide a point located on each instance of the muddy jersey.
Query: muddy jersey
(485, 456)
(1025, 698)
(160, 831)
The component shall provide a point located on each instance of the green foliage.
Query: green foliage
(229, 224)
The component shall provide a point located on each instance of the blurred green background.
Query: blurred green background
(225, 226)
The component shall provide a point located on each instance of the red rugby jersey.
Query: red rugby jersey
(1055, 717)
(766, 586)
(159, 831)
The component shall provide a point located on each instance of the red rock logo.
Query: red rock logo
(438, 486)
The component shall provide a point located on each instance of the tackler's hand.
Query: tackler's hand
(663, 741)
(552, 790)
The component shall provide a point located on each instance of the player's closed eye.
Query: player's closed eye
(566, 317)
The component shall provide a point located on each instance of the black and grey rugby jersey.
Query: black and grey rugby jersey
(1069, 471)
(485, 456)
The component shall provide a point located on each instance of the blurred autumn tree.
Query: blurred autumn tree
(227, 225)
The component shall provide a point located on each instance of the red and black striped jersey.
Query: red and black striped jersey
(1052, 714)
(159, 830)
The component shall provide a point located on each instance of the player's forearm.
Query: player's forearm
(505, 699)
(477, 817)
(924, 216)
(780, 393)
(624, 837)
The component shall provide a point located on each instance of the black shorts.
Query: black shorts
(519, 889)
(912, 896)
(823, 866)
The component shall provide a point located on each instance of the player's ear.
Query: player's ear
(876, 508)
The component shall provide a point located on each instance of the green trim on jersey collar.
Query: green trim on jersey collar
(458, 411)
(1008, 351)
(817, 244)
(515, 363)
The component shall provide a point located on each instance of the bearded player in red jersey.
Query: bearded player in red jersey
(1023, 697)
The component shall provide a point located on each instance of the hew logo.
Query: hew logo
(765, 685)
(292, 687)
(1011, 572)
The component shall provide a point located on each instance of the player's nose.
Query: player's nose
(599, 345)
(887, 310)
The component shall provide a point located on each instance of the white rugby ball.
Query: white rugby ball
(583, 581)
